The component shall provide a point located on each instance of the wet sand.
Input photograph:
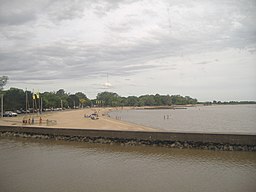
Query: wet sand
(74, 119)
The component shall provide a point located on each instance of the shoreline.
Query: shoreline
(72, 125)
(75, 119)
(205, 141)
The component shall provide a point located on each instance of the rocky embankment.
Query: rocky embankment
(135, 142)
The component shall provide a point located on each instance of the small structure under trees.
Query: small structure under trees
(3, 81)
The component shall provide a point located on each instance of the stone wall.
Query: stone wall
(214, 141)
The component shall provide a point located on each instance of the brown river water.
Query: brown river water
(31, 165)
(216, 118)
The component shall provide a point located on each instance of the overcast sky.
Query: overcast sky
(204, 49)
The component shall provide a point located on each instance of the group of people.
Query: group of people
(167, 116)
(31, 120)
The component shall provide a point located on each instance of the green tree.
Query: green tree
(166, 99)
(80, 95)
(83, 100)
(147, 100)
(14, 99)
(132, 101)
(73, 101)
(109, 99)
(51, 100)
(60, 92)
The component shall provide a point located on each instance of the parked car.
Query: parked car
(10, 114)
(18, 112)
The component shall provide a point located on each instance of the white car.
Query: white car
(10, 114)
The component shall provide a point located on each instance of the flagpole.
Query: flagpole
(38, 99)
(41, 105)
(26, 101)
(3, 81)
(2, 105)
(38, 106)
(33, 103)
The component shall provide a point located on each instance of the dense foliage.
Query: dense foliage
(112, 99)
(15, 98)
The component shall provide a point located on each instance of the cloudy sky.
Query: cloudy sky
(205, 49)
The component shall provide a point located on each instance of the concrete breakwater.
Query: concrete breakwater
(209, 141)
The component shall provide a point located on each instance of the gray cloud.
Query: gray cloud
(16, 12)
(45, 40)
(17, 18)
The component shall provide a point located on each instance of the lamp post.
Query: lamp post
(3, 81)
(61, 104)
(2, 105)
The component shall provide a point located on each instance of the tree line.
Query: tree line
(214, 102)
(16, 99)
(114, 100)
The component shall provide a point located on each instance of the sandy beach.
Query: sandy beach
(74, 119)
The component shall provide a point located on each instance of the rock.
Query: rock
(173, 145)
(211, 147)
(230, 148)
(245, 148)
(186, 145)
(178, 144)
(225, 148)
